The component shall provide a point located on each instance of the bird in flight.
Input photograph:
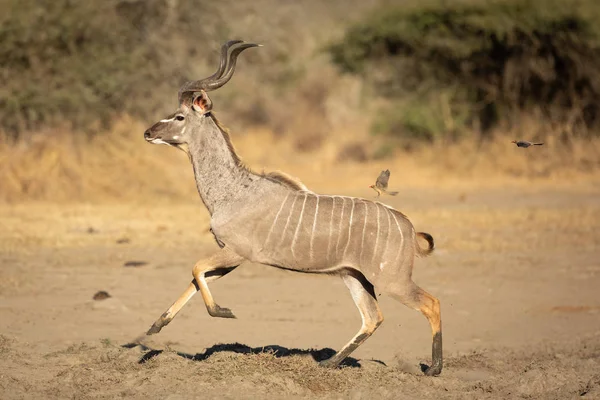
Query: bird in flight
(524, 143)
(381, 184)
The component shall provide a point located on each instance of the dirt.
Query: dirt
(516, 269)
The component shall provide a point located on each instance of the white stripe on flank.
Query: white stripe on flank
(330, 227)
(362, 241)
(349, 228)
(275, 220)
(312, 234)
(401, 237)
(298, 226)
(387, 238)
(287, 222)
(377, 234)
(339, 231)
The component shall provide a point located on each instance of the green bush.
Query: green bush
(496, 58)
(410, 120)
(82, 62)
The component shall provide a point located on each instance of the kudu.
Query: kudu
(274, 220)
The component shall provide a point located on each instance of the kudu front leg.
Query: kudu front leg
(209, 269)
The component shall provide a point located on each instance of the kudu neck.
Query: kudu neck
(220, 177)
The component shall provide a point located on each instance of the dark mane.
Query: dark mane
(275, 176)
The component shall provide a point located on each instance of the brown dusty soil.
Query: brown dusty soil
(517, 271)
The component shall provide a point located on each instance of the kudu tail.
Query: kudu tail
(425, 252)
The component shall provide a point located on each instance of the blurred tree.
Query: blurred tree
(489, 60)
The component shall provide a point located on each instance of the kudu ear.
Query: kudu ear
(202, 103)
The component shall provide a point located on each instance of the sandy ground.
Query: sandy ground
(517, 271)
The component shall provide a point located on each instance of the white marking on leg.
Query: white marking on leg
(330, 227)
(362, 241)
(287, 222)
(376, 234)
(298, 226)
(312, 234)
(349, 228)
(339, 231)
(275, 220)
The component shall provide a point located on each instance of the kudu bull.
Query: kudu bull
(274, 220)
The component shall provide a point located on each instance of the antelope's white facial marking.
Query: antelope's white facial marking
(167, 120)
(159, 141)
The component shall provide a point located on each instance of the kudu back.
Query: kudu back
(274, 220)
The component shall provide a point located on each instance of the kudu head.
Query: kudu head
(194, 103)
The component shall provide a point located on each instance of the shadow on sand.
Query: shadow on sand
(238, 348)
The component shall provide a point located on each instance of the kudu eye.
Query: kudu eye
(180, 118)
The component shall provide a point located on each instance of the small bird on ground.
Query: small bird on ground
(524, 143)
(381, 184)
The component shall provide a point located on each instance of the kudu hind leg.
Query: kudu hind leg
(212, 268)
(364, 297)
(416, 298)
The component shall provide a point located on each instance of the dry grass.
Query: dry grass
(108, 371)
(562, 157)
(119, 166)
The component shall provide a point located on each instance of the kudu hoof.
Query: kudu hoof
(221, 312)
(159, 324)
(155, 328)
(434, 370)
(329, 363)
